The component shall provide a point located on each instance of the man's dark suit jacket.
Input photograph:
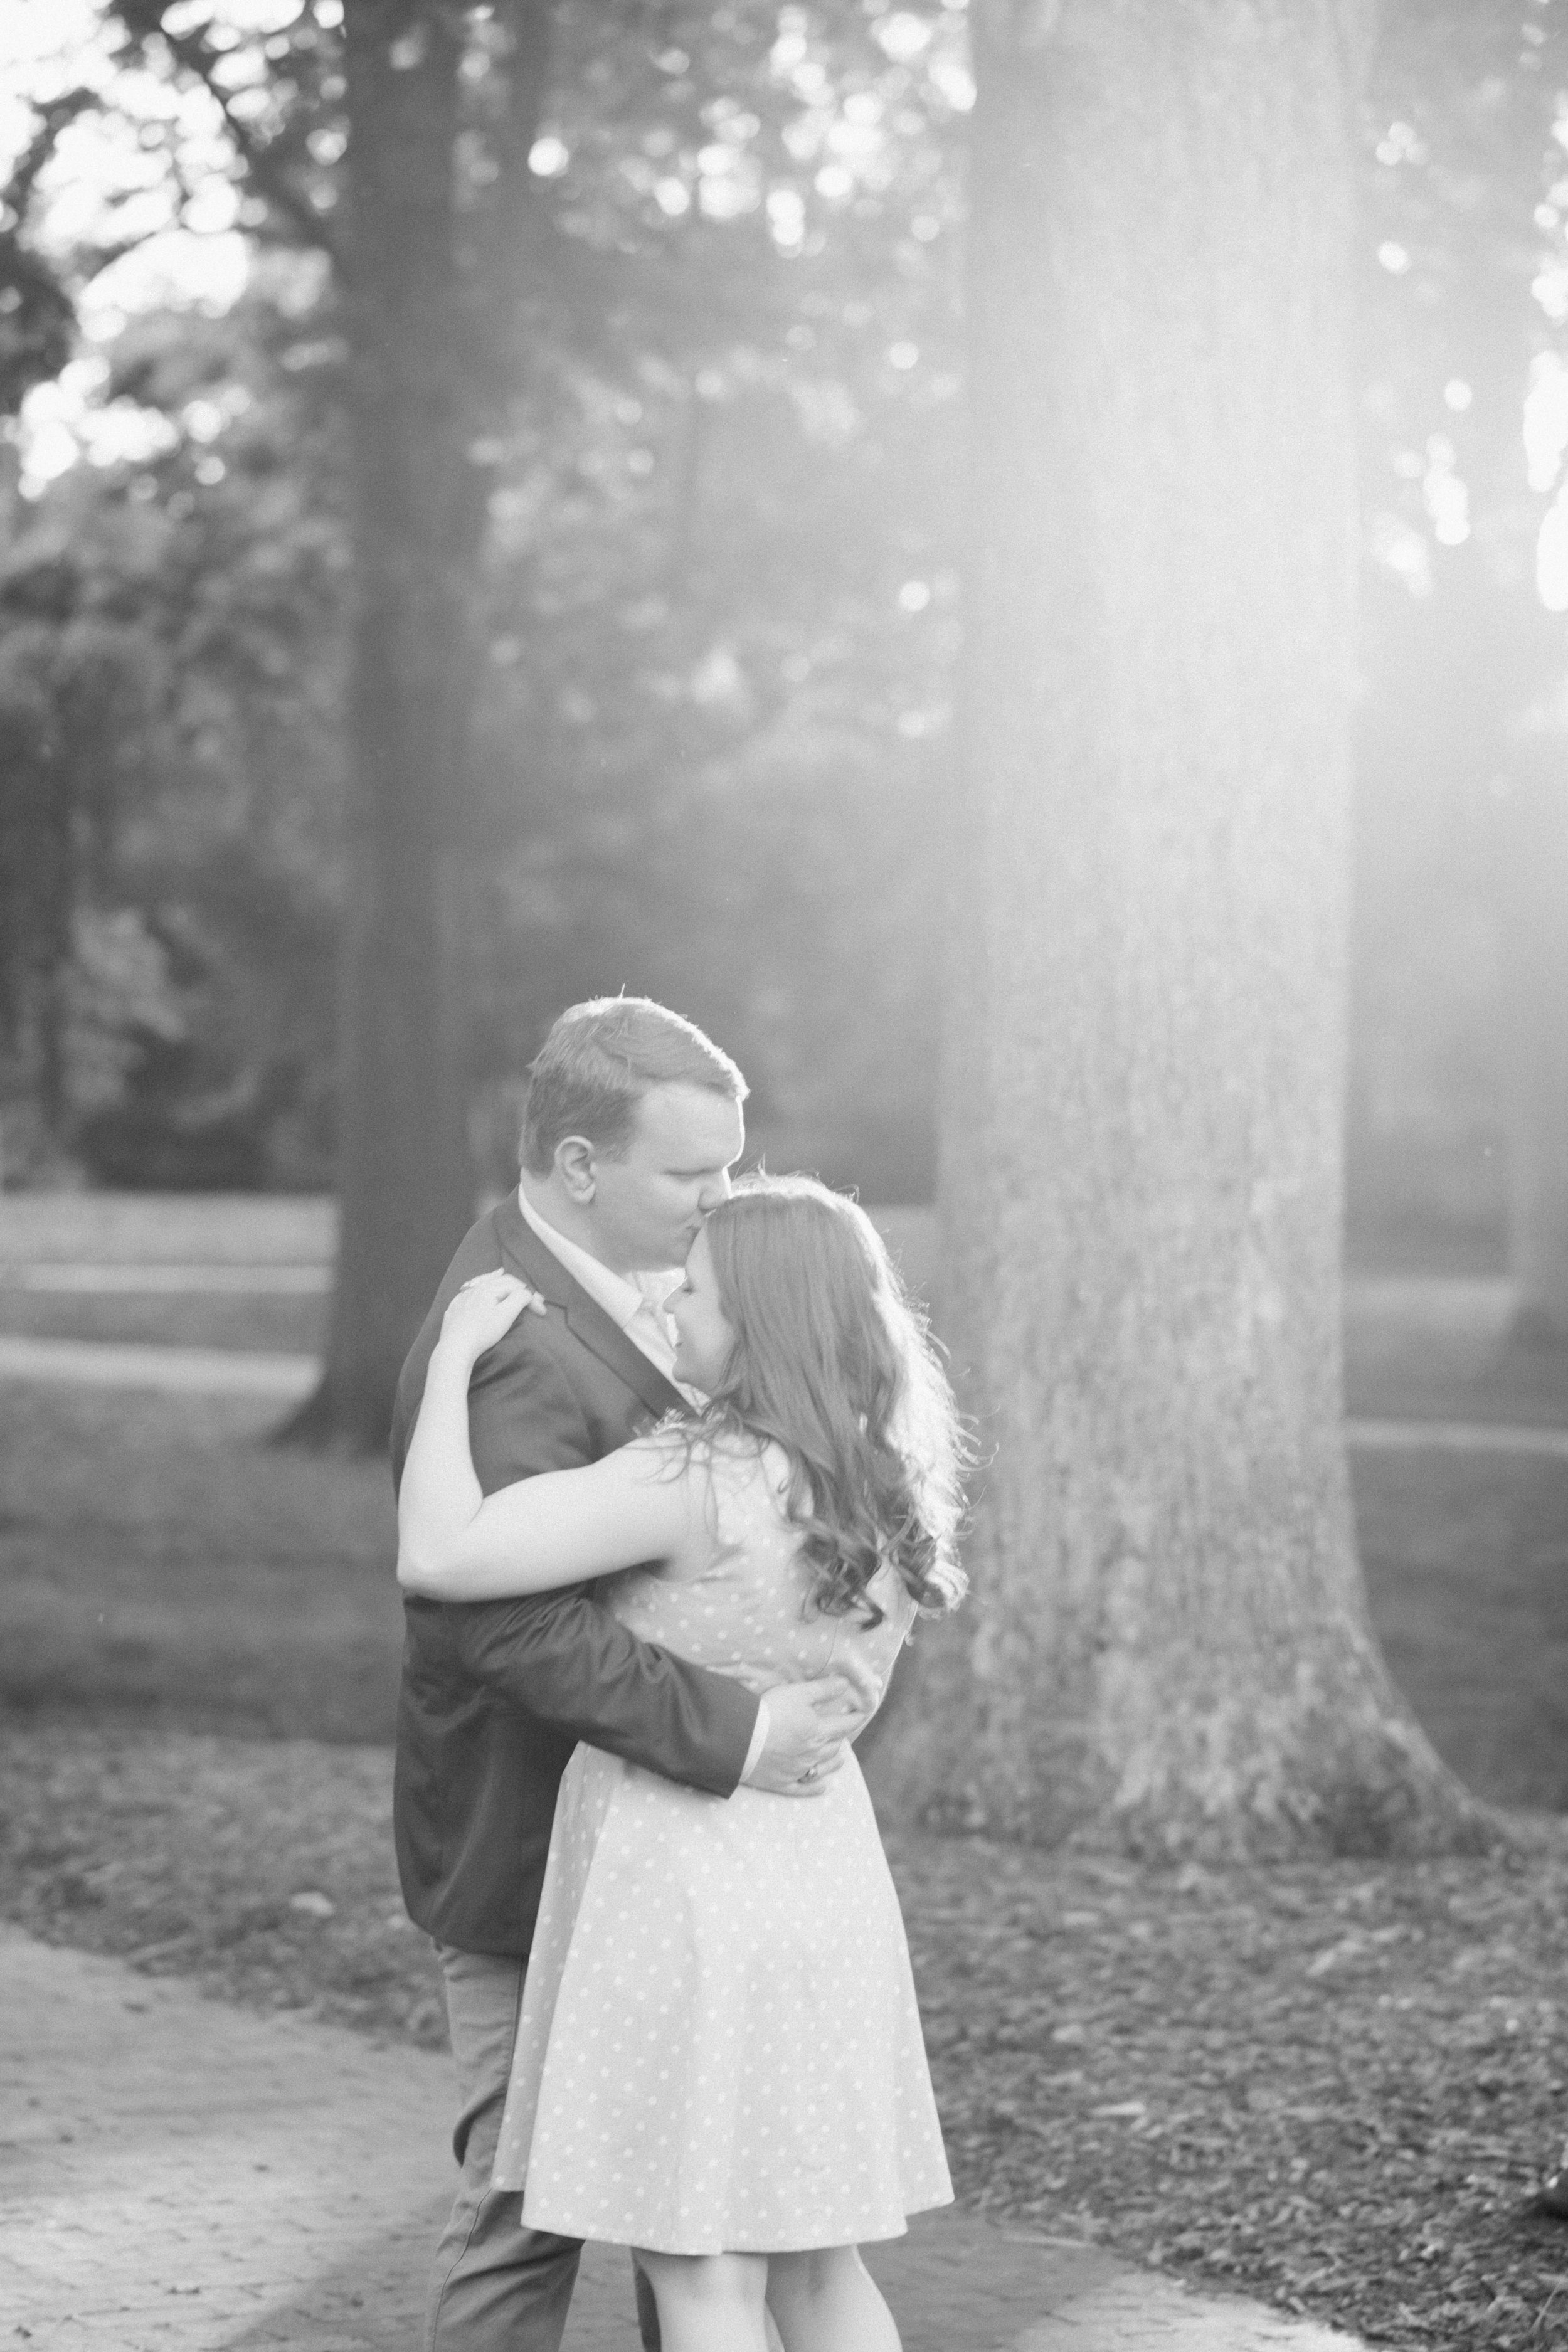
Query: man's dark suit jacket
(496, 1694)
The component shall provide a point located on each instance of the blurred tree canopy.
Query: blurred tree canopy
(1464, 303)
(718, 451)
(169, 677)
(717, 586)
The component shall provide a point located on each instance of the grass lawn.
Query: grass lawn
(1448, 1351)
(289, 1325)
(1466, 1568)
(159, 1562)
(167, 1228)
(77, 1232)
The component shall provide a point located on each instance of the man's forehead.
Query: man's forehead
(693, 1121)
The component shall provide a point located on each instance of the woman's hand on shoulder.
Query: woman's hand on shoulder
(484, 1311)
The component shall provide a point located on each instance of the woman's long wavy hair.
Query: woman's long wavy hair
(832, 1363)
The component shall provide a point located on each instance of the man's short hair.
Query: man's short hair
(598, 1061)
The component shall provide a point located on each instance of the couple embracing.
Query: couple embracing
(661, 1549)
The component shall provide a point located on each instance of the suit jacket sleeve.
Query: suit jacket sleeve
(561, 1655)
(567, 1660)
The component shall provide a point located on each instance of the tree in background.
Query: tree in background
(727, 530)
(392, 138)
(199, 799)
(74, 689)
(37, 317)
(435, 107)
(54, 700)
(1462, 995)
(420, 242)
(1168, 1644)
(423, 275)
(724, 256)
(714, 611)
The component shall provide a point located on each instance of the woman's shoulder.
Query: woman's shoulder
(720, 1447)
(680, 1445)
(721, 1468)
(758, 1469)
(745, 1478)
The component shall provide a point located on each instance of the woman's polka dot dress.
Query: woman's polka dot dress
(718, 2046)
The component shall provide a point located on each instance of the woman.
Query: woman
(718, 2058)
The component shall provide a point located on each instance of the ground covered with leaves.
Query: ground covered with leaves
(1333, 2086)
(1336, 2085)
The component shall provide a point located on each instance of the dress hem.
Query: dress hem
(873, 2235)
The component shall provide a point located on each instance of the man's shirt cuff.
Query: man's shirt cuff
(758, 1741)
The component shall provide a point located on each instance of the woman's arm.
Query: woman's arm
(560, 1528)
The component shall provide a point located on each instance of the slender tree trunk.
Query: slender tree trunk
(1534, 943)
(404, 1184)
(1167, 1644)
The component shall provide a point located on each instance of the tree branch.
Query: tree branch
(265, 169)
(89, 261)
(52, 117)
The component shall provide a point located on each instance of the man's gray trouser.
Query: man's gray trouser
(497, 2286)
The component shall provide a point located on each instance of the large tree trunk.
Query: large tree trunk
(1167, 1643)
(404, 1184)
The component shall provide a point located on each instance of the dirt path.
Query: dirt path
(178, 2176)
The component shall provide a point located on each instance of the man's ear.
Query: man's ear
(574, 1167)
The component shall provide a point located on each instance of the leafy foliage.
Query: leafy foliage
(713, 372)
(1464, 292)
(168, 685)
(719, 447)
(37, 322)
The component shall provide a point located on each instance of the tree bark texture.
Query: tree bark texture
(1533, 940)
(1167, 1643)
(405, 1187)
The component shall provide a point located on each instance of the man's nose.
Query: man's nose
(715, 1189)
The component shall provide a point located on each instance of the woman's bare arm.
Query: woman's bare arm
(455, 1543)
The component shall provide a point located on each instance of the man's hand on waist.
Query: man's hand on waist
(804, 1737)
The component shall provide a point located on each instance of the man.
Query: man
(633, 1123)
